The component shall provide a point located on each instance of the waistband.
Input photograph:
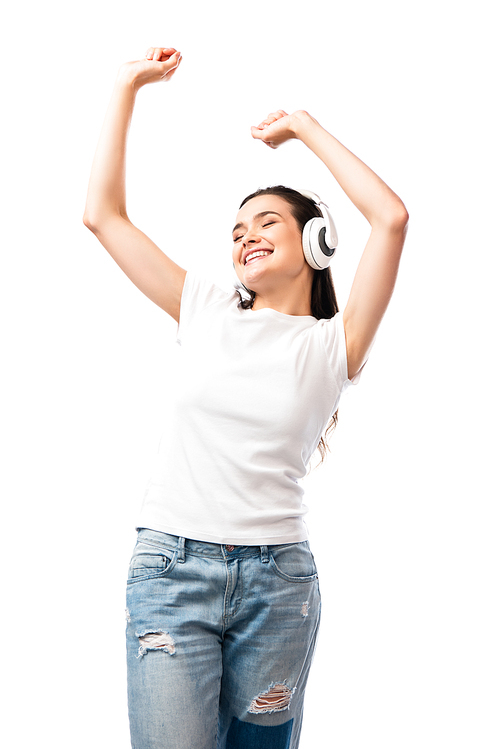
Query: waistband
(184, 546)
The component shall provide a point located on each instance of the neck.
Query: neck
(294, 300)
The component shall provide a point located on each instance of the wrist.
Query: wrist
(127, 78)
(302, 123)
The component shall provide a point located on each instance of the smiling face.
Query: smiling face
(267, 246)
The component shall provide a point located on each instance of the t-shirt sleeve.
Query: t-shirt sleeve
(335, 344)
(198, 294)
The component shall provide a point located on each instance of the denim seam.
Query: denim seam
(229, 576)
(165, 573)
(290, 578)
(160, 547)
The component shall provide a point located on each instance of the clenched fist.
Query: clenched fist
(159, 64)
(278, 127)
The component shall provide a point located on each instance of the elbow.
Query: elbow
(87, 221)
(95, 221)
(403, 217)
(396, 218)
(399, 216)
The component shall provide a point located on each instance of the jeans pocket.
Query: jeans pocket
(294, 563)
(149, 562)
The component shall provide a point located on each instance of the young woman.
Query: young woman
(223, 601)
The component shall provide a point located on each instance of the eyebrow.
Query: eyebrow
(257, 215)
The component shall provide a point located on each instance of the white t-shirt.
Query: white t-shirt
(258, 388)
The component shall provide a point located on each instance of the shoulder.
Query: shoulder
(201, 294)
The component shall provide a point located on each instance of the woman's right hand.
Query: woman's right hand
(159, 64)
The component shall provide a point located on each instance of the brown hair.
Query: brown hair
(323, 299)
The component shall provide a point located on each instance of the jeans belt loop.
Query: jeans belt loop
(181, 552)
(264, 554)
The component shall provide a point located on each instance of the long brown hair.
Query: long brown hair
(323, 299)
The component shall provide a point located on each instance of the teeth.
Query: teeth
(257, 254)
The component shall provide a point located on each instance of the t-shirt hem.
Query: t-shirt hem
(290, 538)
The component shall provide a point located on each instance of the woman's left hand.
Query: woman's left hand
(277, 128)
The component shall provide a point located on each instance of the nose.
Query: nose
(250, 237)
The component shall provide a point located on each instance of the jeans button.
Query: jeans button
(229, 547)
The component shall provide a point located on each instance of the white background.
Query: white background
(404, 515)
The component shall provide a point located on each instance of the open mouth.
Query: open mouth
(257, 254)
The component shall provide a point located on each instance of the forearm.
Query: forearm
(106, 191)
(376, 201)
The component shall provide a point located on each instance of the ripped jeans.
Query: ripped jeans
(220, 641)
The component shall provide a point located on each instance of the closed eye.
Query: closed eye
(269, 223)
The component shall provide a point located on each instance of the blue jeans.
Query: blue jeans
(220, 641)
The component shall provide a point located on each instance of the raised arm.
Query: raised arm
(155, 274)
(377, 270)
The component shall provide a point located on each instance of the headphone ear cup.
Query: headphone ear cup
(316, 251)
(306, 244)
(238, 283)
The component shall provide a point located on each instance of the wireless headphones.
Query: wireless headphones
(319, 236)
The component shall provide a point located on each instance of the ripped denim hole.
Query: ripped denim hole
(276, 699)
(156, 641)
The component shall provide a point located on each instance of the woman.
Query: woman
(223, 600)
